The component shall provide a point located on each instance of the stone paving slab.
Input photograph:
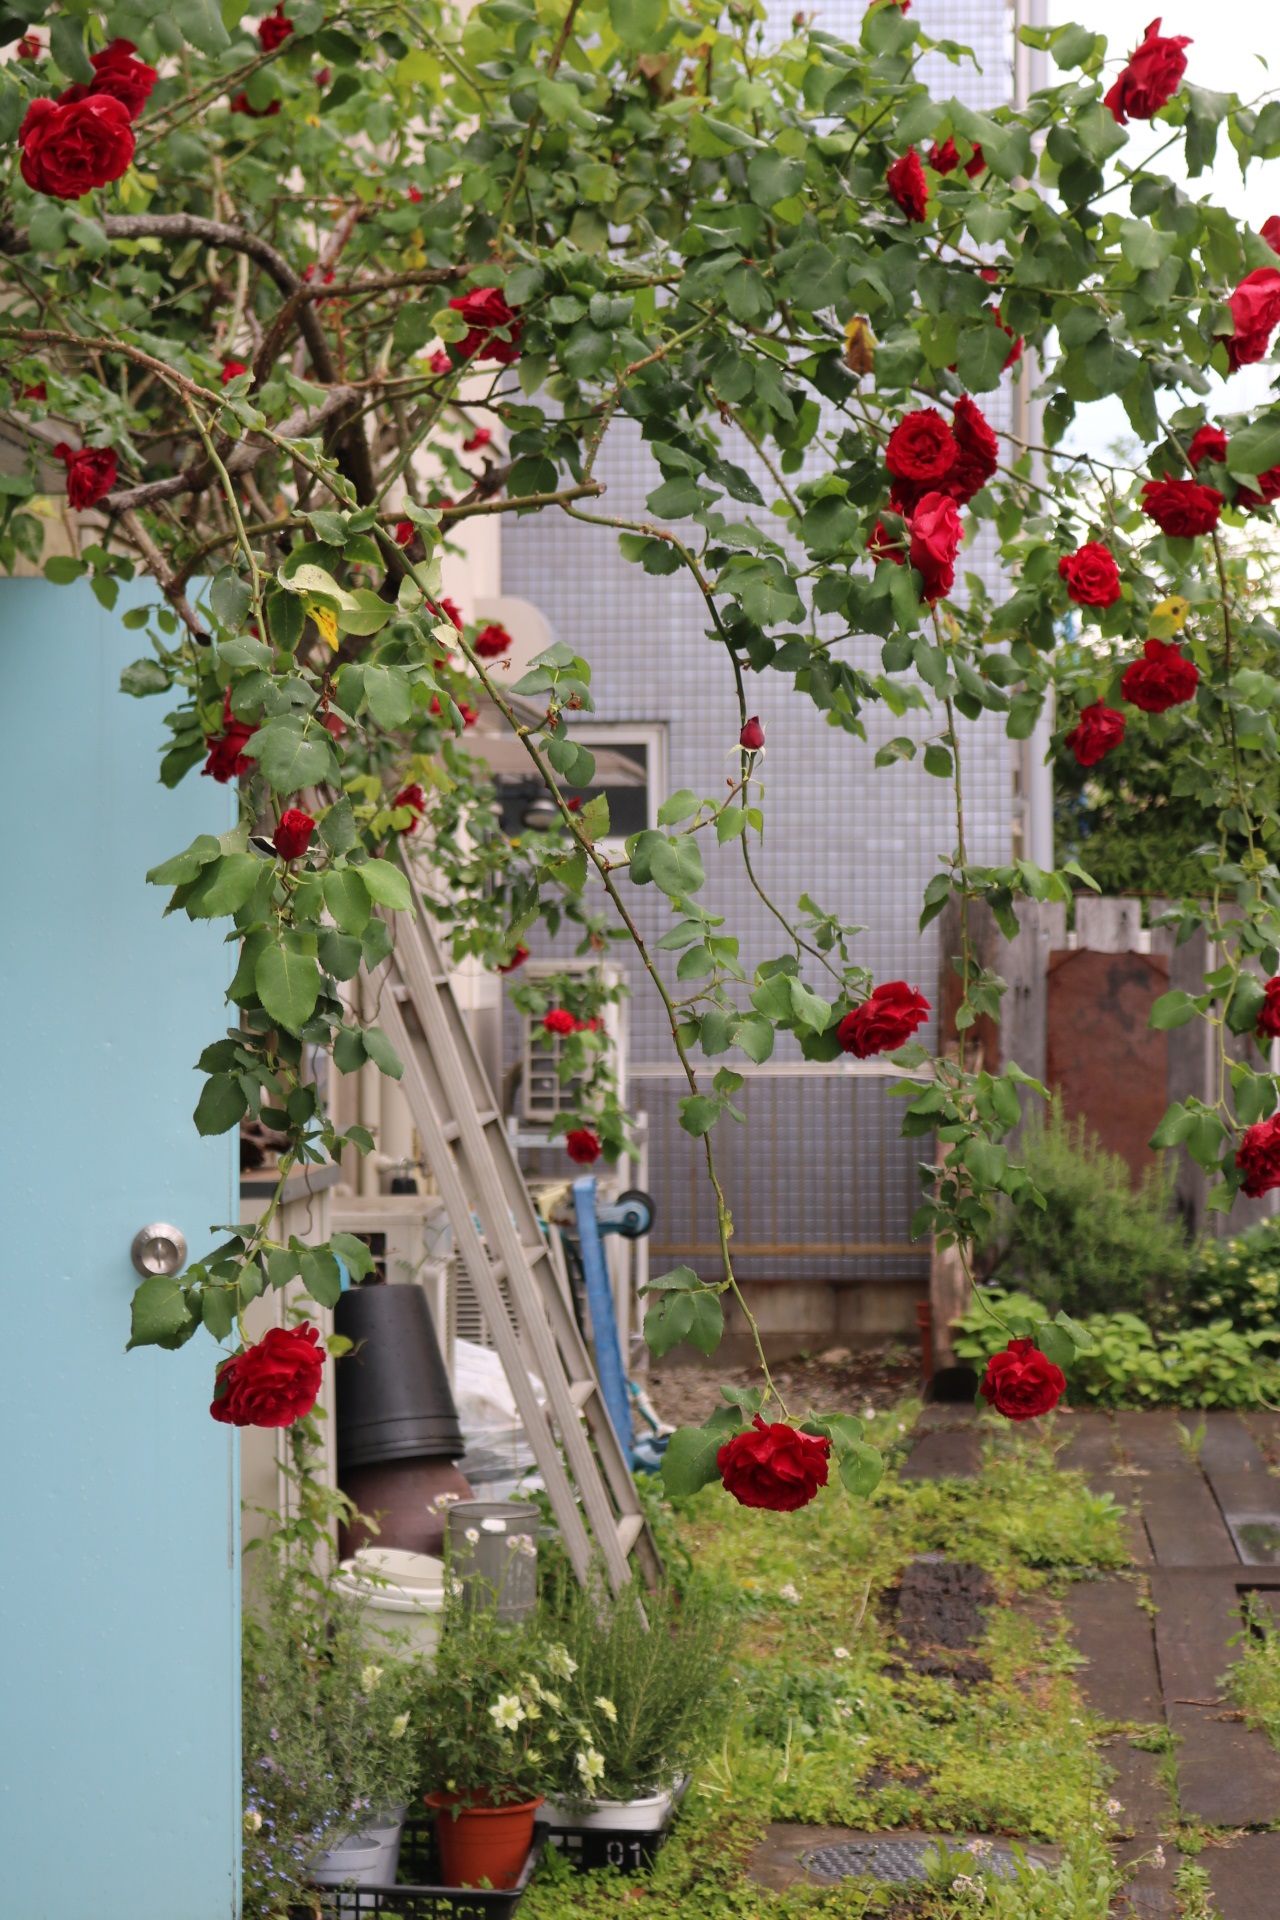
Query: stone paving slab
(1182, 1518)
(1228, 1774)
(1245, 1876)
(1115, 1634)
(945, 1454)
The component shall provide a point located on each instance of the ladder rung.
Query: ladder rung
(630, 1527)
(580, 1391)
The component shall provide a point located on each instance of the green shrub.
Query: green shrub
(1133, 1366)
(1098, 1245)
(1237, 1279)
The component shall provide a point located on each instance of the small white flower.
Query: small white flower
(527, 1545)
(591, 1766)
(399, 1726)
(560, 1663)
(493, 1524)
(472, 1535)
(868, 1413)
(369, 1678)
(252, 1820)
(1157, 1857)
(978, 1848)
(506, 1712)
(443, 1500)
(1115, 1809)
(608, 1709)
(789, 1594)
(842, 1653)
(513, 1541)
(553, 1700)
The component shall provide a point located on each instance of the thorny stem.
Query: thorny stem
(242, 538)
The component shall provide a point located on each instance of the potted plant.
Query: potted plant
(490, 1722)
(648, 1693)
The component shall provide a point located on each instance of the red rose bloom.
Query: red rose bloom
(884, 545)
(906, 182)
(1207, 443)
(1091, 574)
(885, 1020)
(414, 798)
(293, 836)
(405, 531)
(1265, 489)
(450, 612)
(936, 533)
(123, 78)
(1097, 730)
(1269, 1012)
(517, 959)
(274, 30)
(1270, 231)
(1182, 508)
(484, 311)
(273, 1383)
(491, 641)
(1152, 77)
(440, 362)
(71, 146)
(977, 452)
(921, 451)
(1020, 1383)
(241, 103)
(559, 1020)
(480, 438)
(37, 392)
(582, 1146)
(1258, 1157)
(945, 159)
(91, 474)
(1163, 678)
(1255, 308)
(774, 1466)
(232, 369)
(227, 760)
(29, 47)
(752, 735)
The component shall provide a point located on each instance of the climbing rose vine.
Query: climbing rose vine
(293, 296)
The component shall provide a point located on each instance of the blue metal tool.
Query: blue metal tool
(632, 1216)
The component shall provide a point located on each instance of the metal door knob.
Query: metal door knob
(158, 1249)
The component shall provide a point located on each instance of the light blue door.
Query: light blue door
(119, 1655)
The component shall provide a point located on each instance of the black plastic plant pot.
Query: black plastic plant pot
(392, 1390)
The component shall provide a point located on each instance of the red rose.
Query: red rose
(492, 641)
(123, 78)
(450, 612)
(774, 1466)
(91, 474)
(582, 1146)
(1020, 1383)
(1255, 308)
(227, 760)
(480, 438)
(37, 392)
(405, 531)
(936, 533)
(921, 450)
(752, 735)
(293, 836)
(440, 361)
(414, 798)
(29, 47)
(884, 545)
(977, 451)
(1097, 730)
(232, 369)
(1163, 678)
(559, 1020)
(946, 158)
(906, 182)
(1182, 508)
(1265, 489)
(1270, 231)
(485, 311)
(1269, 1013)
(1151, 79)
(70, 147)
(273, 1383)
(1207, 443)
(274, 30)
(414, 195)
(332, 725)
(1091, 574)
(517, 959)
(1258, 1157)
(241, 103)
(885, 1020)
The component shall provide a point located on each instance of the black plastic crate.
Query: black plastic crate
(417, 1894)
(629, 1849)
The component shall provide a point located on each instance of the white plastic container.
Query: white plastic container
(645, 1815)
(358, 1858)
(387, 1828)
(402, 1594)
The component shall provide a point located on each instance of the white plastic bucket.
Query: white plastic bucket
(645, 1815)
(402, 1594)
(358, 1858)
(387, 1828)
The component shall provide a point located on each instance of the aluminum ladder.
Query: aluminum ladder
(497, 1231)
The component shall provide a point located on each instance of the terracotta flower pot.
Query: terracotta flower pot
(482, 1843)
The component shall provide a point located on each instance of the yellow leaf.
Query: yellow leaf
(859, 346)
(1169, 617)
(328, 625)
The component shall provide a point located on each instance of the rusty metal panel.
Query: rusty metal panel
(1100, 1053)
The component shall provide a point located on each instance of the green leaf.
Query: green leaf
(1056, 1344)
(382, 1053)
(185, 866)
(668, 1322)
(679, 806)
(230, 598)
(772, 177)
(142, 677)
(1174, 1127)
(321, 1275)
(288, 985)
(690, 1459)
(861, 1468)
(290, 758)
(369, 615)
(66, 44)
(635, 21)
(387, 691)
(217, 1308)
(698, 1114)
(286, 617)
(1172, 1010)
(353, 1253)
(676, 866)
(221, 1106)
(282, 1267)
(338, 827)
(200, 22)
(1256, 449)
(708, 1321)
(386, 884)
(347, 898)
(755, 1036)
(223, 886)
(160, 1315)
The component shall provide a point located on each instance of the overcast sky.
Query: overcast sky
(1235, 48)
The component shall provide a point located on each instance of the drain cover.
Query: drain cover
(900, 1861)
(1257, 1537)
